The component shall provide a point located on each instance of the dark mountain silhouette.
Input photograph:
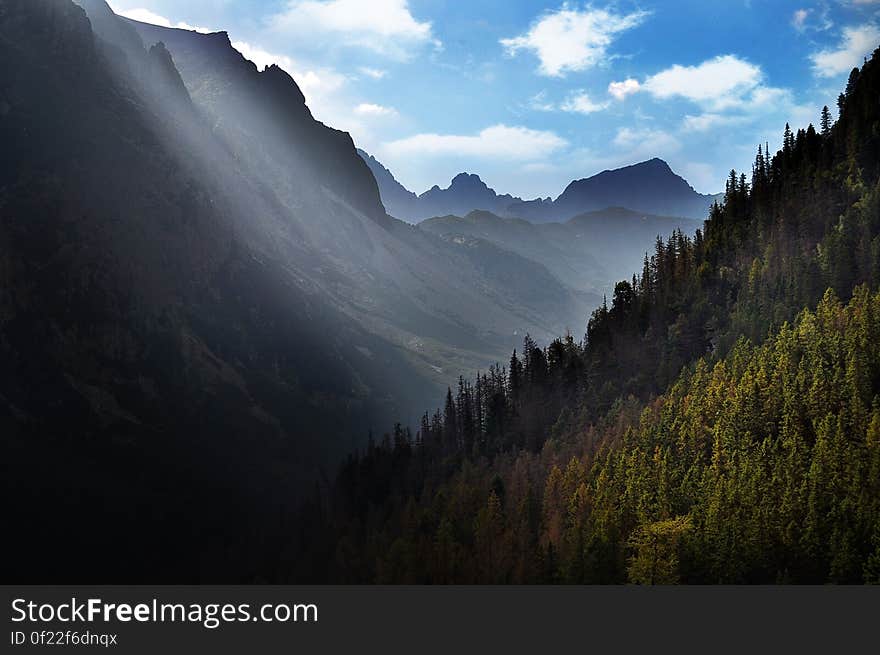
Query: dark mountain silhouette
(466, 193)
(203, 300)
(649, 186)
(399, 201)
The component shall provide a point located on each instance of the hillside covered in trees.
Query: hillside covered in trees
(718, 423)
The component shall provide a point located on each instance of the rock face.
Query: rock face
(248, 106)
(203, 301)
(166, 370)
(399, 201)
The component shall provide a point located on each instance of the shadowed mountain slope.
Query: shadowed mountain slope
(203, 300)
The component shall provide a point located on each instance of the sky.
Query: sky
(531, 95)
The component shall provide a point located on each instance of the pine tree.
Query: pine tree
(787, 141)
(825, 121)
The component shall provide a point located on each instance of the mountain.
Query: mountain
(430, 297)
(398, 200)
(203, 299)
(466, 193)
(650, 186)
(590, 252)
(161, 350)
(718, 424)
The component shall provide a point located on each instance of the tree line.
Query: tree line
(709, 427)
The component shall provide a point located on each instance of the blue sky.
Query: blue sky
(531, 95)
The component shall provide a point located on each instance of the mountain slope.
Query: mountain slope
(408, 287)
(709, 429)
(203, 300)
(590, 252)
(399, 201)
(159, 357)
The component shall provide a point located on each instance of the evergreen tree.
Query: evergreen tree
(825, 121)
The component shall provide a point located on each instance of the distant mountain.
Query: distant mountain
(650, 186)
(590, 252)
(466, 193)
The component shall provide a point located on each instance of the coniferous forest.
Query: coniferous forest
(719, 422)
(212, 312)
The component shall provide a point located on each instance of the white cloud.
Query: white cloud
(147, 16)
(539, 102)
(384, 26)
(576, 102)
(370, 109)
(375, 73)
(314, 83)
(707, 121)
(620, 90)
(539, 167)
(319, 85)
(856, 43)
(262, 58)
(812, 20)
(719, 82)
(643, 142)
(495, 142)
(765, 97)
(580, 103)
(700, 175)
(571, 40)
(324, 88)
(799, 19)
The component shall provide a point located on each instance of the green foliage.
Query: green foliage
(708, 429)
(655, 556)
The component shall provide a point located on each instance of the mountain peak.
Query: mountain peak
(284, 88)
(657, 163)
(468, 180)
(466, 192)
(650, 187)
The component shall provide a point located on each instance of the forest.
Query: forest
(719, 421)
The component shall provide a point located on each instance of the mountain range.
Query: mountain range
(649, 187)
(465, 193)
(204, 301)
(718, 424)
